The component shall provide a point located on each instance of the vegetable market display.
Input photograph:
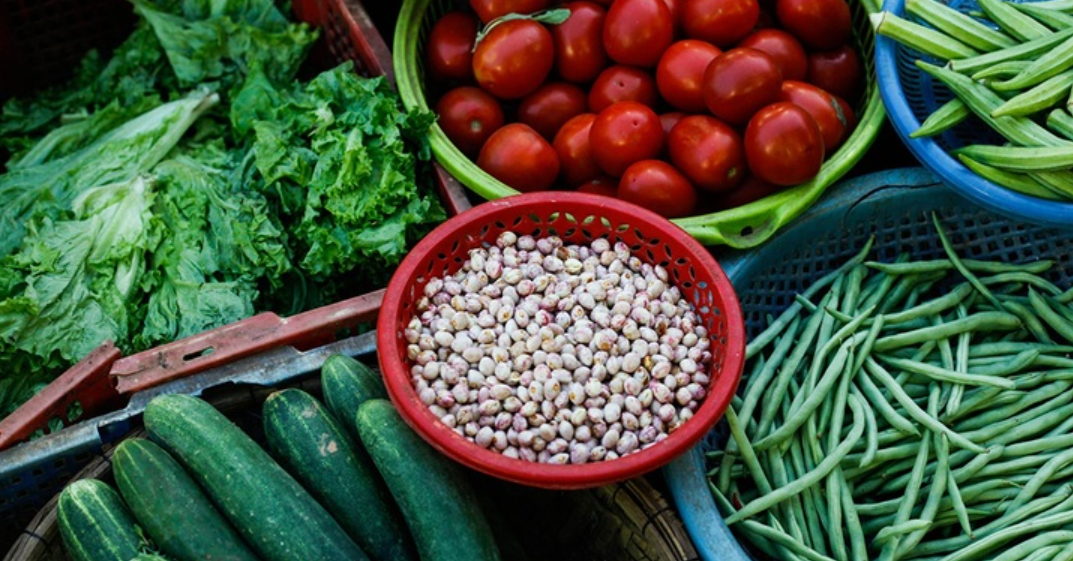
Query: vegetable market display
(348, 484)
(1010, 68)
(637, 98)
(907, 409)
(190, 180)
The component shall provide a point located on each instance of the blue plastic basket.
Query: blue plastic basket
(896, 207)
(910, 95)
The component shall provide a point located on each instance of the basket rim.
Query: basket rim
(763, 217)
(953, 173)
(417, 415)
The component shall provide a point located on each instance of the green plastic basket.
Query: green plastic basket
(741, 227)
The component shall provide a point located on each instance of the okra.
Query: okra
(1025, 51)
(1051, 63)
(1059, 182)
(1021, 158)
(1051, 18)
(959, 26)
(1043, 96)
(923, 39)
(1013, 21)
(946, 117)
(1018, 182)
(1002, 70)
(1059, 5)
(1061, 121)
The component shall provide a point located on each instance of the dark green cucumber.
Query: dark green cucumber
(347, 384)
(171, 508)
(316, 449)
(277, 517)
(95, 524)
(440, 507)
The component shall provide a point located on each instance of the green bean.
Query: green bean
(884, 407)
(805, 303)
(1029, 319)
(1043, 554)
(1029, 50)
(835, 480)
(812, 477)
(1016, 364)
(844, 318)
(1021, 550)
(1066, 554)
(961, 364)
(903, 287)
(1025, 424)
(853, 289)
(781, 538)
(958, 504)
(934, 306)
(960, 26)
(937, 373)
(1046, 472)
(935, 493)
(982, 321)
(727, 508)
(871, 430)
(1065, 297)
(998, 414)
(916, 481)
(920, 38)
(886, 281)
(1023, 278)
(791, 509)
(946, 117)
(1016, 466)
(858, 546)
(813, 511)
(1040, 445)
(897, 530)
(1059, 324)
(960, 266)
(996, 349)
(748, 455)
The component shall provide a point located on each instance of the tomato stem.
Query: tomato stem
(550, 17)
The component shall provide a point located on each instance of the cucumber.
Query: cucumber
(347, 384)
(440, 507)
(316, 449)
(171, 508)
(275, 515)
(95, 524)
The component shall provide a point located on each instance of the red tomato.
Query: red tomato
(468, 116)
(521, 158)
(514, 58)
(602, 185)
(675, 8)
(575, 152)
(752, 189)
(579, 46)
(659, 187)
(824, 109)
(819, 24)
(625, 133)
(680, 73)
(489, 10)
(622, 83)
(668, 120)
(638, 31)
(450, 46)
(739, 82)
(782, 47)
(783, 145)
(708, 152)
(848, 115)
(550, 106)
(719, 22)
(838, 71)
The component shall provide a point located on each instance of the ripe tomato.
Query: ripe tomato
(468, 116)
(680, 73)
(739, 82)
(489, 10)
(514, 58)
(575, 152)
(675, 8)
(550, 106)
(622, 83)
(838, 71)
(783, 145)
(782, 47)
(849, 116)
(521, 158)
(719, 22)
(450, 47)
(708, 152)
(752, 189)
(657, 186)
(579, 46)
(638, 31)
(824, 109)
(669, 120)
(819, 24)
(602, 185)
(625, 133)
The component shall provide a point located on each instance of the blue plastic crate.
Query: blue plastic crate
(910, 95)
(896, 207)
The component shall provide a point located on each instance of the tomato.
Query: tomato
(450, 47)
(489, 10)
(625, 133)
(575, 152)
(847, 115)
(579, 46)
(638, 31)
(602, 185)
(838, 71)
(782, 47)
(668, 120)
(708, 152)
(739, 82)
(819, 24)
(719, 22)
(468, 116)
(550, 106)
(675, 9)
(680, 73)
(824, 109)
(657, 186)
(518, 156)
(783, 145)
(514, 58)
(622, 83)
(752, 189)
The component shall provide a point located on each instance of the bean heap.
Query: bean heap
(558, 353)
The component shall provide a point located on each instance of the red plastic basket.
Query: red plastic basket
(576, 218)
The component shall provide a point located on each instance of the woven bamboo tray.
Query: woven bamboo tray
(628, 521)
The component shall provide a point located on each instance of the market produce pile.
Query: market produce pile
(1012, 73)
(907, 409)
(189, 180)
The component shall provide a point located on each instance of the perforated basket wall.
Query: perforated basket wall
(576, 218)
(895, 207)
